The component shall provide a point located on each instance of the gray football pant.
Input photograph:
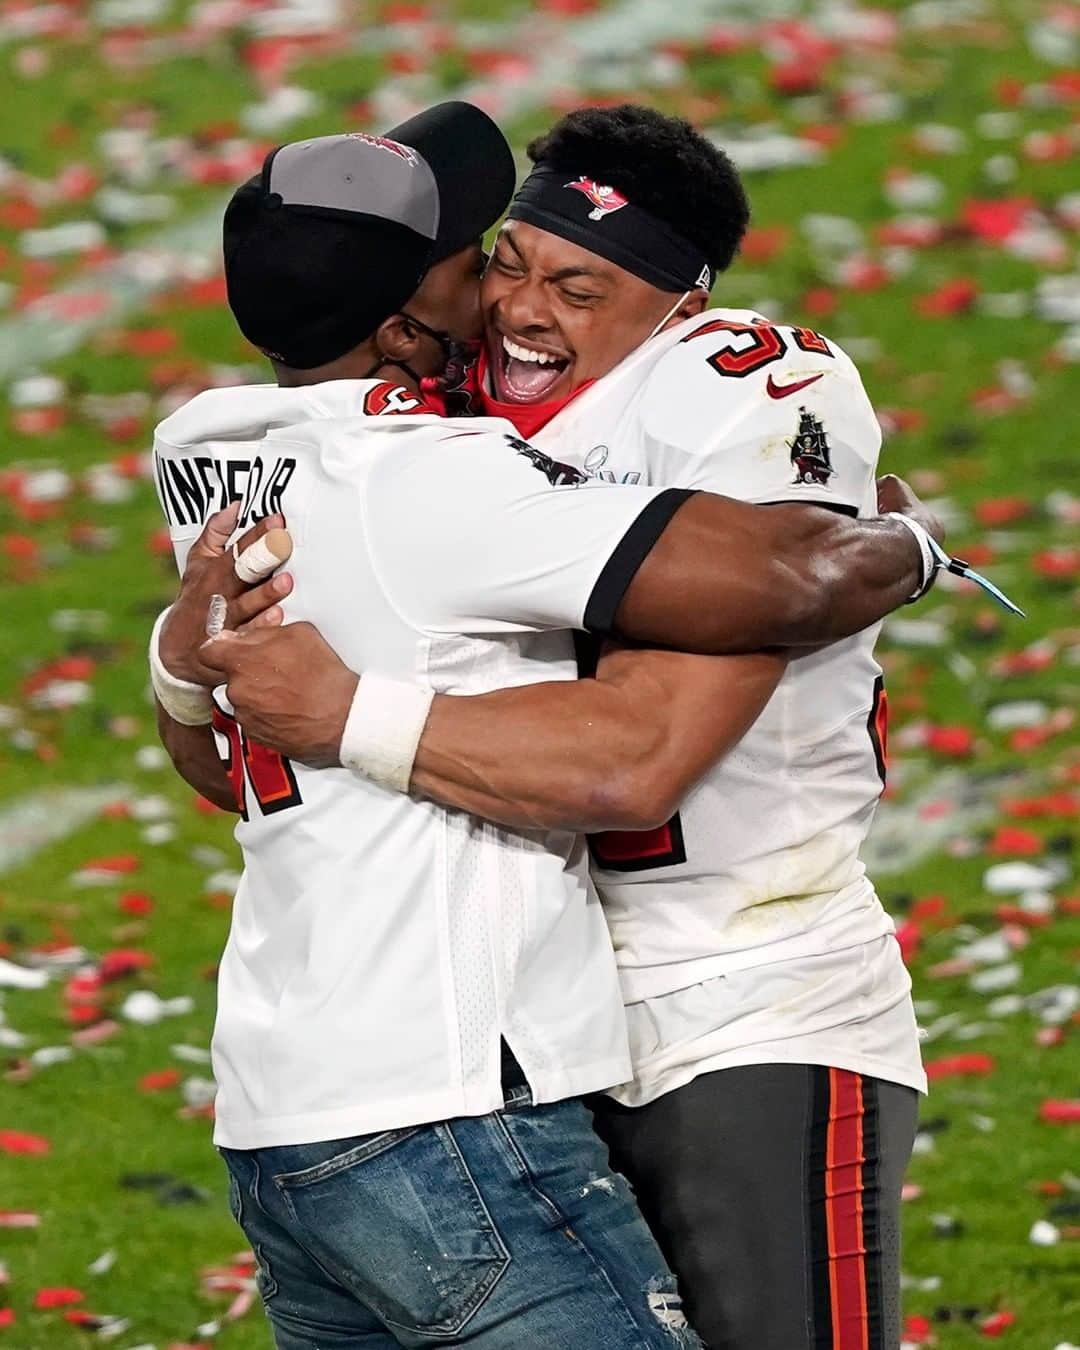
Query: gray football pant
(774, 1192)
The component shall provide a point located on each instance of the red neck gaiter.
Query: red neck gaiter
(472, 396)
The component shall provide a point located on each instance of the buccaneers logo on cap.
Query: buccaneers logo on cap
(385, 143)
(605, 200)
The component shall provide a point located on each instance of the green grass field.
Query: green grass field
(981, 403)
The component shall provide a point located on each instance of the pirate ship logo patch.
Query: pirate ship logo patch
(810, 451)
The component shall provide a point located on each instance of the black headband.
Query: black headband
(601, 219)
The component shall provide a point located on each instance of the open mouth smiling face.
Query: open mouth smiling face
(557, 316)
(524, 373)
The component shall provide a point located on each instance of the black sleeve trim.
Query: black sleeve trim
(841, 508)
(631, 551)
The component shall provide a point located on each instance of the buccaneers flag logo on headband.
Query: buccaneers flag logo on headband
(604, 199)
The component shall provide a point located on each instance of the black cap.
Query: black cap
(336, 233)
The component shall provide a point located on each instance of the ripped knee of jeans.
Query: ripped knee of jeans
(665, 1304)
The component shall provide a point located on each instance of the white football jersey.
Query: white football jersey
(380, 946)
(761, 863)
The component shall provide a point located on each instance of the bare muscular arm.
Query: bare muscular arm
(791, 576)
(618, 752)
(196, 759)
(292, 692)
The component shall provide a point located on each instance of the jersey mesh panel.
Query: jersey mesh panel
(468, 878)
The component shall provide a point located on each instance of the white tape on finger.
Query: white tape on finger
(258, 560)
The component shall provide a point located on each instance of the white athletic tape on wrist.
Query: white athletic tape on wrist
(930, 565)
(383, 730)
(186, 703)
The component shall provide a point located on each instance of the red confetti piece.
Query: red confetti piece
(1048, 1037)
(914, 232)
(909, 938)
(1056, 804)
(960, 1066)
(1060, 1112)
(1027, 738)
(819, 303)
(95, 1034)
(7, 1317)
(20, 547)
(762, 245)
(1008, 840)
(83, 988)
(995, 221)
(19, 1218)
(122, 863)
(825, 134)
(135, 902)
(918, 1330)
(160, 543)
(1002, 510)
(1027, 662)
(159, 1081)
(956, 965)
(57, 1298)
(929, 907)
(19, 214)
(38, 421)
(15, 1141)
(1026, 918)
(797, 77)
(954, 297)
(149, 341)
(1057, 563)
(997, 1323)
(956, 742)
(79, 1318)
(123, 961)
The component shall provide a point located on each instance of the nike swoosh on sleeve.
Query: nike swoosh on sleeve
(775, 390)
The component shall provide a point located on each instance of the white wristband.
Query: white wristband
(383, 730)
(931, 564)
(186, 703)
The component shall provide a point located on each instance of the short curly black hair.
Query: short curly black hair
(662, 164)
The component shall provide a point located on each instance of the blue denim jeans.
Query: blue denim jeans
(507, 1232)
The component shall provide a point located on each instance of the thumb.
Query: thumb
(216, 532)
(221, 652)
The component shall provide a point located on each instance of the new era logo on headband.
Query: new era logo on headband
(605, 200)
(384, 143)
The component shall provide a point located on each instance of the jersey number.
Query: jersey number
(639, 850)
(269, 773)
(766, 345)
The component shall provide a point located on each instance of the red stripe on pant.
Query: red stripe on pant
(844, 1212)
